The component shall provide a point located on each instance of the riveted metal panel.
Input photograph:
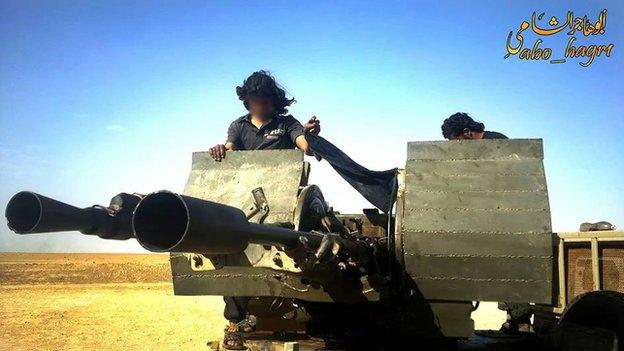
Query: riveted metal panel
(476, 222)
(496, 149)
(230, 181)
(261, 281)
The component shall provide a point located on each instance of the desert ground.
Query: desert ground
(112, 302)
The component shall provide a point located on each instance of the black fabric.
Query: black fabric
(279, 133)
(494, 135)
(235, 308)
(378, 187)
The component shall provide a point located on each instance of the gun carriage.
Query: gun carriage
(471, 223)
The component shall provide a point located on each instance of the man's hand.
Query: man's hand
(218, 152)
(313, 126)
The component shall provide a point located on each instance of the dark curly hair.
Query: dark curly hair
(261, 84)
(458, 122)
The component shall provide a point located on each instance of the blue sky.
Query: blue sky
(98, 97)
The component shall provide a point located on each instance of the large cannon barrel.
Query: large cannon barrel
(29, 213)
(168, 222)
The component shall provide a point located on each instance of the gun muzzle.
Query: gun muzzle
(168, 222)
(29, 213)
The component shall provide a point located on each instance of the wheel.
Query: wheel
(591, 321)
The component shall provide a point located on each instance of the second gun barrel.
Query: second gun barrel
(29, 213)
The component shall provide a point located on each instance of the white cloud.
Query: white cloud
(116, 128)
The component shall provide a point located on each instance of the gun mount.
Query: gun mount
(472, 223)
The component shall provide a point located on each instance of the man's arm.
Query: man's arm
(302, 144)
(218, 151)
(313, 126)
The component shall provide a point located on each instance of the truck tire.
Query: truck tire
(599, 310)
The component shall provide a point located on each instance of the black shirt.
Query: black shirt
(494, 135)
(279, 133)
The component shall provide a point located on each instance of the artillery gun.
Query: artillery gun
(471, 223)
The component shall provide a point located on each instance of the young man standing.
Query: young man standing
(266, 126)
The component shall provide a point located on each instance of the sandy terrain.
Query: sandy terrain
(99, 302)
(110, 302)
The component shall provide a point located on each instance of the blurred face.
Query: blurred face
(261, 107)
(466, 134)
